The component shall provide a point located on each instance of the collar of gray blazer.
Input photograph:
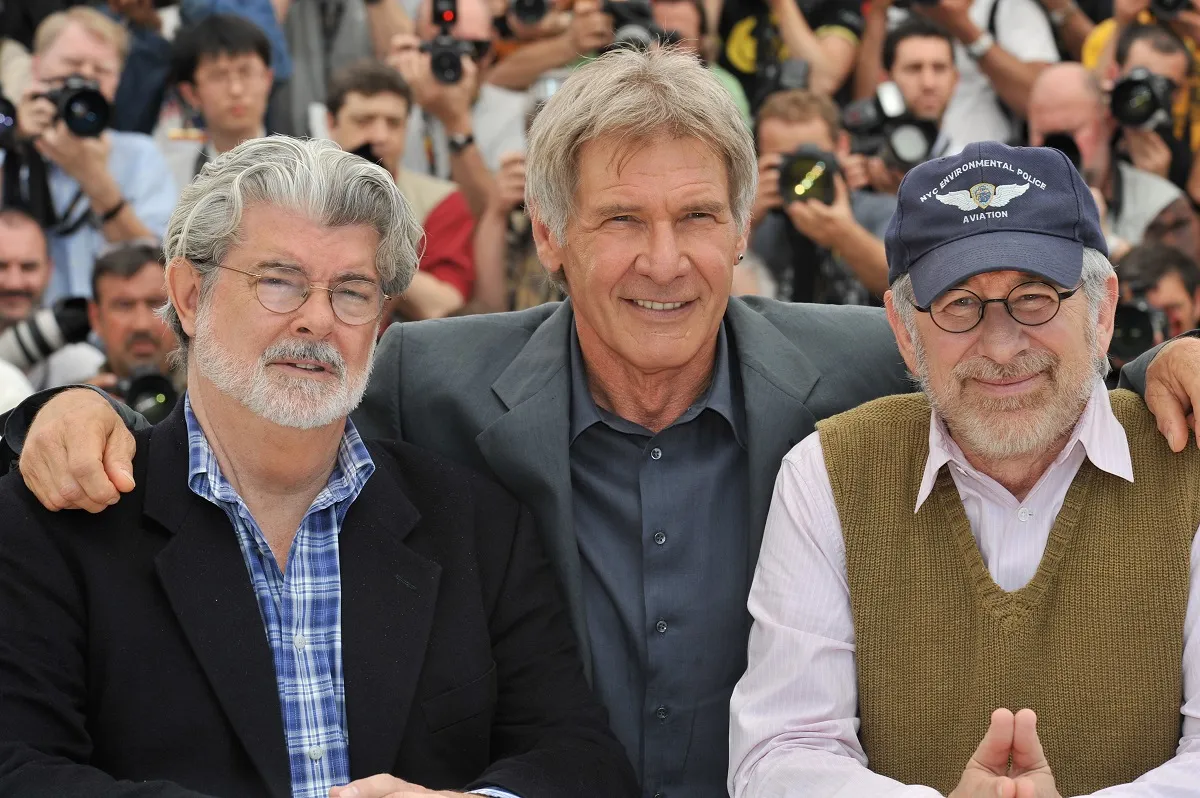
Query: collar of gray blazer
(759, 344)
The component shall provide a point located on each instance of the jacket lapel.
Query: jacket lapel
(206, 583)
(776, 380)
(528, 449)
(388, 597)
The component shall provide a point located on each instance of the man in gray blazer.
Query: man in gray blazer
(643, 421)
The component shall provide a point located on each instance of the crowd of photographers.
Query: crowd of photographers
(112, 106)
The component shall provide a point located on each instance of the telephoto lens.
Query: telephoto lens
(529, 12)
(36, 338)
(1168, 9)
(1142, 99)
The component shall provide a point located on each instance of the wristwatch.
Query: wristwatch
(978, 48)
(460, 141)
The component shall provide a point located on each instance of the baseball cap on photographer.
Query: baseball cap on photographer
(991, 208)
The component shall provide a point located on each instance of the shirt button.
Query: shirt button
(661, 626)
(660, 537)
(1024, 514)
(662, 713)
(656, 453)
(299, 642)
(316, 752)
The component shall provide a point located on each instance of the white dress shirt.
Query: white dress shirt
(794, 729)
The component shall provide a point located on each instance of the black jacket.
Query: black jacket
(133, 659)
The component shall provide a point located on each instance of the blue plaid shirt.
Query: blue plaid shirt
(300, 609)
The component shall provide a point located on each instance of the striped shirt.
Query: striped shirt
(300, 608)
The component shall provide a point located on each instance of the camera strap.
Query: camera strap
(65, 227)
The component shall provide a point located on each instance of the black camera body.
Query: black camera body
(77, 102)
(633, 24)
(1168, 9)
(807, 174)
(1137, 327)
(445, 51)
(148, 391)
(883, 126)
(911, 3)
(529, 12)
(1142, 99)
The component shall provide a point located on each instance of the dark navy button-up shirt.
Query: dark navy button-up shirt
(661, 522)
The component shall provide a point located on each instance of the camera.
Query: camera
(775, 76)
(1137, 326)
(529, 12)
(80, 106)
(911, 3)
(1065, 143)
(445, 51)
(882, 126)
(1142, 99)
(807, 174)
(48, 330)
(148, 391)
(633, 24)
(1168, 9)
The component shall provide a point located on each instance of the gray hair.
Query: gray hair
(313, 177)
(1096, 270)
(636, 95)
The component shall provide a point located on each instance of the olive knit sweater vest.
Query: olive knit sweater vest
(1093, 644)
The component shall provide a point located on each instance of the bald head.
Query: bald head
(1067, 81)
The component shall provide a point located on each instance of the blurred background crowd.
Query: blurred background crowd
(110, 107)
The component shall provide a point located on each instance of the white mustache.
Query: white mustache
(322, 352)
(1025, 365)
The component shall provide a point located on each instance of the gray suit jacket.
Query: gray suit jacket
(494, 392)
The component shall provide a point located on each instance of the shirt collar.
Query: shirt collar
(1098, 431)
(350, 473)
(720, 396)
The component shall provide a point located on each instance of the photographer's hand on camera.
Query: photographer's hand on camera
(449, 103)
(823, 224)
(767, 198)
(590, 28)
(1148, 151)
(883, 178)
(85, 160)
(510, 184)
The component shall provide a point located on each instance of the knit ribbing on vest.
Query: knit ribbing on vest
(1094, 643)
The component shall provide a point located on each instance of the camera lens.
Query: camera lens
(1065, 143)
(803, 177)
(446, 66)
(910, 144)
(529, 12)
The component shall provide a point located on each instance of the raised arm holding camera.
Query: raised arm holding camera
(103, 185)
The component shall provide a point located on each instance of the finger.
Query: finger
(380, 785)
(1025, 788)
(118, 458)
(1168, 415)
(85, 467)
(1027, 752)
(996, 745)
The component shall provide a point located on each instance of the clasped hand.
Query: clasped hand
(1009, 762)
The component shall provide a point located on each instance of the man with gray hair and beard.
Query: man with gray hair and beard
(990, 588)
(280, 607)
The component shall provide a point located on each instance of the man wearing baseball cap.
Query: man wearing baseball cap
(989, 588)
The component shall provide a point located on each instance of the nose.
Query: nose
(1001, 337)
(663, 261)
(315, 318)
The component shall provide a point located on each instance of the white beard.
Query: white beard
(998, 428)
(283, 399)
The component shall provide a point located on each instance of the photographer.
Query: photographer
(1149, 78)
(25, 272)
(458, 130)
(817, 252)
(588, 30)
(104, 188)
(369, 104)
(1068, 110)
(685, 22)
(1180, 17)
(222, 68)
(1169, 282)
(917, 56)
(128, 288)
(822, 33)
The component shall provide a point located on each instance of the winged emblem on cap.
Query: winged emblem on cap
(983, 195)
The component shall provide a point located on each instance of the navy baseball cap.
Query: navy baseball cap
(991, 208)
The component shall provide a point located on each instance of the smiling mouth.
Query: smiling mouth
(312, 368)
(648, 305)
